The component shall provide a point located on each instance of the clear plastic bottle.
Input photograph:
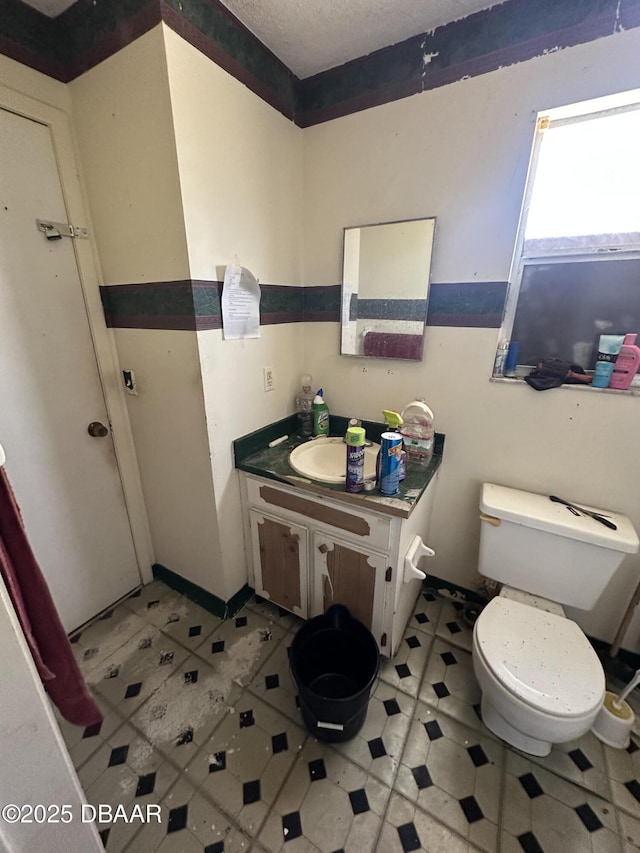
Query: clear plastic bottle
(304, 405)
(417, 432)
(501, 358)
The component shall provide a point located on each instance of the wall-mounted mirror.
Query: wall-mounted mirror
(385, 287)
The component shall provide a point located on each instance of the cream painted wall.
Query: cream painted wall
(37, 764)
(23, 79)
(461, 153)
(237, 404)
(124, 128)
(168, 420)
(240, 165)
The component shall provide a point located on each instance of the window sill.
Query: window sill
(633, 391)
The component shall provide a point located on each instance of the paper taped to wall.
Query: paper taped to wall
(240, 304)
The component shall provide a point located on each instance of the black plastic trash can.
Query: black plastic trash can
(334, 662)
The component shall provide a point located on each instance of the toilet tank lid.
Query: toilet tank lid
(537, 511)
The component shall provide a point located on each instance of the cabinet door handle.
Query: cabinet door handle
(326, 582)
(323, 548)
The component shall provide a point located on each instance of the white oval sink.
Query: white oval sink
(325, 459)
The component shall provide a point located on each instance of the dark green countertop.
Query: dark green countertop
(253, 454)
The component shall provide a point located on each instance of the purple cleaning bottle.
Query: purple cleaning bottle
(354, 481)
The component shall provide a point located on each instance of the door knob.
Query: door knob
(97, 430)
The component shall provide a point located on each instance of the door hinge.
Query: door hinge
(383, 639)
(58, 230)
(387, 574)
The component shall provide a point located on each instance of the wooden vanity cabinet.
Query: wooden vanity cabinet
(307, 551)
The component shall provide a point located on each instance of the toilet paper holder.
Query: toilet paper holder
(416, 550)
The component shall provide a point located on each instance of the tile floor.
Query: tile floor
(201, 718)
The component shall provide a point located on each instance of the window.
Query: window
(576, 270)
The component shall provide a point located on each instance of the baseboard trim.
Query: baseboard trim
(218, 606)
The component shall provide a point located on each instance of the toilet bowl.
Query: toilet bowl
(541, 681)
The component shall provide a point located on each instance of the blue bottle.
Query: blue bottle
(390, 450)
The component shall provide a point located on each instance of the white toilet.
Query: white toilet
(541, 681)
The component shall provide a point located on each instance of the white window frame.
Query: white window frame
(572, 114)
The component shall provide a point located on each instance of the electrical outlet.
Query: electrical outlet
(269, 379)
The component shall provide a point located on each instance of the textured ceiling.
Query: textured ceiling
(312, 35)
(50, 7)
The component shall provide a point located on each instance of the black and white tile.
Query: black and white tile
(406, 669)
(240, 645)
(125, 770)
(623, 768)
(407, 827)
(201, 718)
(155, 603)
(96, 642)
(183, 712)
(452, 626)
(326, 804)
(243, 764)
(378, 745)
(135, 671)
(450, 685)
(580, 761)
(543, 812)
(191, 824)
(629, 832)
(453, 773)
(274, 684)
(426, 614)
(189, 624)
(273, 613)
(83, 741)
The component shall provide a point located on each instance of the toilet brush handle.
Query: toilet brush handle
(617, 702)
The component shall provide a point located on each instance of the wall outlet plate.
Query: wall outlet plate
(269, 379)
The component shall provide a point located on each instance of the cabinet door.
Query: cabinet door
(345, 574)
(280, 562)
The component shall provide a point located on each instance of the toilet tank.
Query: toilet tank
(536, 545)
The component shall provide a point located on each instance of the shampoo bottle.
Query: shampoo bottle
(320, 414)
(626, 364)
(608, 349)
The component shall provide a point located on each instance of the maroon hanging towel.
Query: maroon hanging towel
(39, 618)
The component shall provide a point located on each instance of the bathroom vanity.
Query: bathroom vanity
(311, 544)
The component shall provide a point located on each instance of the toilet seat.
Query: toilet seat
(543, 659)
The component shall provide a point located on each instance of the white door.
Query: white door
(66, 482)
